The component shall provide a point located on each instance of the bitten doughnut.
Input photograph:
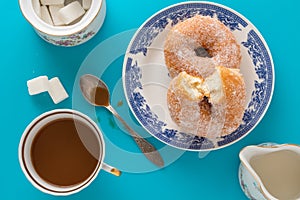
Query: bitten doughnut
(210, 107)
(200, 31)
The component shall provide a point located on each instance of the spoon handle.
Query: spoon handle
(148, 149)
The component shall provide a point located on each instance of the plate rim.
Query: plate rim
(249, 24)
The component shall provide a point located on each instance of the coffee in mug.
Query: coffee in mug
(62, 151)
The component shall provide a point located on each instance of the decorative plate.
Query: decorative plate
(146, 79)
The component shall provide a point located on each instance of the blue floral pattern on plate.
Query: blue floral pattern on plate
(254, 45)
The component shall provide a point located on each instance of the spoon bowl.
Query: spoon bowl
(96, 92)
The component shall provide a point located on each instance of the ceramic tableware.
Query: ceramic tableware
(32, 167)
(69, 35)
(146, 79)
(270, 171)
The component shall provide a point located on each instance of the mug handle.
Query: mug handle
(111, 169)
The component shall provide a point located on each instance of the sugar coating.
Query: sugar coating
(180, 56)
(38, 85)
(52, 2)
(185, 109)
(71, 12)
(216, 110)
(45, 15)
(86, 4)
(220, 112)
(54, 14)
(57, 90)
(36, 7)
(235, 92)
(195, 32)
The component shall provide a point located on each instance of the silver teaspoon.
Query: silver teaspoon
(96, 93)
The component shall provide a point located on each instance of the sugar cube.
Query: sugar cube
(71, 12)
(38, 85)
(54, 14)
(45, 15)
(86, 4)
(57, 90)
(70, 1)
(36, 7)
(52, 2)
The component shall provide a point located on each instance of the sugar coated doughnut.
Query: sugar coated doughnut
(210, 107)
(200, 31)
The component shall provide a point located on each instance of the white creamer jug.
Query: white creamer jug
(270, 171)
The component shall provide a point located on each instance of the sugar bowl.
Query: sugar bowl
(86, 25)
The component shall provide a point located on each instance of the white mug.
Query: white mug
(69, 35)
(25, 152)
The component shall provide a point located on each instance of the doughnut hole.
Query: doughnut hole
(202, 52)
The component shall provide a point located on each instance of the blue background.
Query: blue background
(24, 56)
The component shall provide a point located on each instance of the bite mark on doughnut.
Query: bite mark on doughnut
(211, 107)
(193, 87)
